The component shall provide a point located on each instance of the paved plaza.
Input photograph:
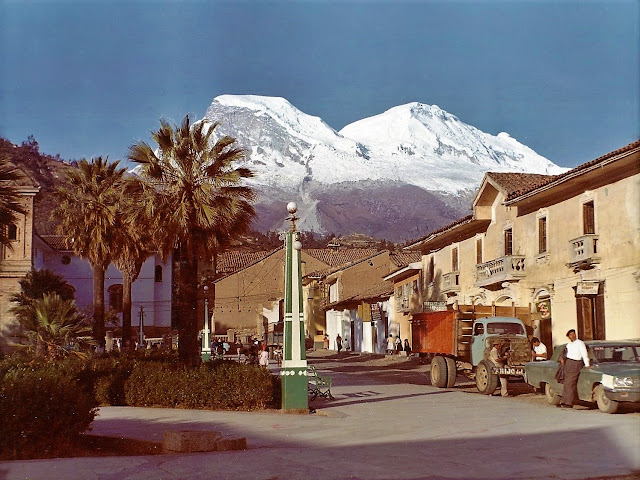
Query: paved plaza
(386, 422)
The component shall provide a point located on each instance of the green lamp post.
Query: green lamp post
(294, 362)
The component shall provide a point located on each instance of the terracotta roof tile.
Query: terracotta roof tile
(460, 221)
(340, 256)
(402, 259)
(57, 242)
(518, 182)
(233, 261)
(578, 169)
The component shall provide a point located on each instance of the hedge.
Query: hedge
(43, 411)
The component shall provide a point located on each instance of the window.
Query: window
(158, 275)
(478, 250)
(542, 235)
(115, 297)
(478, 329)
(333, 292)
(588, 218)
(454, 259)
(508, 242)
(13, 232)
(432, 270)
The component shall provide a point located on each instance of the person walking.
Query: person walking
(407, 347)
(398, 344)
(577, 357)
(325, 342)
(499, 359)
(339, 343)
(390, 345)
(264, 356)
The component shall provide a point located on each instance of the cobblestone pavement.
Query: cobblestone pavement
(386, 422)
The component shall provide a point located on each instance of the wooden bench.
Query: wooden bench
(318, 384)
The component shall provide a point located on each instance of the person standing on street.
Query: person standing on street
(539, 350)
(390, 345)
(499, 360)
(398, 345)
(339, 343)
(577, 356)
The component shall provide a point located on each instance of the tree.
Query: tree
(37, 283)
(10, 204)
(199, 203)
(87, 213)
(133, 245)
(51, 325)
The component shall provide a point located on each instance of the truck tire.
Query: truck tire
(552, 397)
(486, 381)
(606, 405)
(438, 372)
(451, 371)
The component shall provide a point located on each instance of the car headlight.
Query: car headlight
(623, 382)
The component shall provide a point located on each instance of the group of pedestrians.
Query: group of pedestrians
(395, 345)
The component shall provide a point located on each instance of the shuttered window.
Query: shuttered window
(508, 242)
(542, 235)
(454, 259)
(588, 218)
(478, 250)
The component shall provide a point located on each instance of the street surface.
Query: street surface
(386, 422)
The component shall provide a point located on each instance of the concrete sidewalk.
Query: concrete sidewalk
(373, 430)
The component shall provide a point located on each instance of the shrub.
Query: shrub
(43, 410)
(215, 385)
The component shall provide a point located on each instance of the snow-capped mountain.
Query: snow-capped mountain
(298, 156)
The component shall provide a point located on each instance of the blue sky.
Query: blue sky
(91, 78)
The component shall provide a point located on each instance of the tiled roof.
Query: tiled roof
(232, 261)
(402, 259)
(376, 292)
(57, 242)
(519, 182)
(24, 177)
(460, 221)
(573, 172)
(340, 256)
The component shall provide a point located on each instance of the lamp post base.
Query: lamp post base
(205, 355)
(295, 395)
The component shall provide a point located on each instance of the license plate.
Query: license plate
(519, 371)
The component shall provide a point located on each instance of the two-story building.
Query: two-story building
(564, 247)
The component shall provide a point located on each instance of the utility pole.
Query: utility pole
(206, 345)
(294, 362)
(141, 333)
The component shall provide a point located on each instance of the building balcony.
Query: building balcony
(451, 283)
(583, 252)
(503, 269)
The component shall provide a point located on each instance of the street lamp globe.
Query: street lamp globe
(292, 207)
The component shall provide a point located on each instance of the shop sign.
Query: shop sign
(588, 288)
(544, 308)
(435, 306)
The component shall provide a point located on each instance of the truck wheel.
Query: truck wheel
(486, 381)
(451, 371)
(438, 372)
(552, 397)
(606, 405)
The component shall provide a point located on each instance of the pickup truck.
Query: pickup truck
(456, 344)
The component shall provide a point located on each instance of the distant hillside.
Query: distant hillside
(45, 169)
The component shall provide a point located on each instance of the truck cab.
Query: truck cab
(510, 331)
(512, 335)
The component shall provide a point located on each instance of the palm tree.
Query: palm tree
(199, 202)
(133, 244)
(37, 283)
(10, 205)
(86, 214)
(50, 325)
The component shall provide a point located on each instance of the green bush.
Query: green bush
(220, 384)
(43, 410)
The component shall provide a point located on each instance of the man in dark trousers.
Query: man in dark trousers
(577, 356)
(339, 342)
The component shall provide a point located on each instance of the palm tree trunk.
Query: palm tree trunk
(98, 305)
(126, 311)
(188, 345)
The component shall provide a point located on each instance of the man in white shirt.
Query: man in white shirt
(577, 356)
(539, 350)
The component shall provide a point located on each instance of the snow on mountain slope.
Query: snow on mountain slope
(415, 144)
